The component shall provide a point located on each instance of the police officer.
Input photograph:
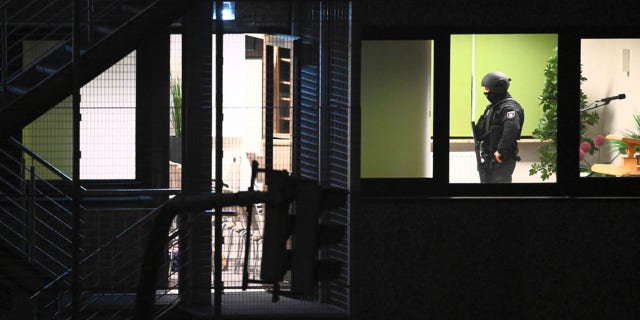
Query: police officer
(500, 125)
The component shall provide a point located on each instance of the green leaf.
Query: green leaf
(176, 110)
(548, 124)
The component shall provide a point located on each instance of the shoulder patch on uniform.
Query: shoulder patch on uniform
(511, 114)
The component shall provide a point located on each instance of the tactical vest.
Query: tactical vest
(490, 133)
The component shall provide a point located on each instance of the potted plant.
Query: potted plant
(620, 146)
(617, 148)
(175, 140)
(548, 125)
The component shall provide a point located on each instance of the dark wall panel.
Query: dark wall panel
(497, 259)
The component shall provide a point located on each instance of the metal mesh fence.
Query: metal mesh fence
(108, 146)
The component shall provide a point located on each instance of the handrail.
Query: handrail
(133, 191)
(40, 160)
(164, 215)
(156, 191)
(3, 52)
(178, 204)
(48, 32)
(51, 225)
(54, 27)
(36, 20)
(88, 257)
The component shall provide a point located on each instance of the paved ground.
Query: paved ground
(259, 305)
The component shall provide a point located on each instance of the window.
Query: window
(107, 130)
(542, 66)
(610, 122)
(396, 82)
(523, 58)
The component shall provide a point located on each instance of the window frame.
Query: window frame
(568, 182)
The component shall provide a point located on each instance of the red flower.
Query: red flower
(582, 153)
(585, 146)
(599, 140)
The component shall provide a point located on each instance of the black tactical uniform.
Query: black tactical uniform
(500, 127)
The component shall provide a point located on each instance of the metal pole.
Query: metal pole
(5, 54)
(75, 284)
(217, 259)
(32, 209)
(269, 104)
(89, 20)
(155, 247)
(247, 240)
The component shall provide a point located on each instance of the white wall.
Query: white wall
(108, 109)
(602, 61)
(242, 100)
(463, 168)
(108, 126)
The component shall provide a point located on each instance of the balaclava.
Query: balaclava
(498, 83)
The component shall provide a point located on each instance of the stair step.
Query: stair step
(132, 8)
(46, 90)
(47, 69)
(20, 271)
(19, 90)
(69, 48)
(103, 29)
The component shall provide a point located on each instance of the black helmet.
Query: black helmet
(497, 82)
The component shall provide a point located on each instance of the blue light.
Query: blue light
(228, 10)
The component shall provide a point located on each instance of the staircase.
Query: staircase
(36, 233)
(36, 73)
(37, 48)
(35, 222)
(31, 279)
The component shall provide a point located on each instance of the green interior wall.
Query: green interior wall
(51, 135)
(522, 57)
(395, 82)
(395, 77)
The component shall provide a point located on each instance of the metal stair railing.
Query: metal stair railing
(36, 215)
(36, 212)
(110, 271)
(28, 27)
(36, 223)
(25, 24)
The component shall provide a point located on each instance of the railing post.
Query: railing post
(89, 21)
(35, 306)
(24, 201)
(76, 281)
(5, 55)
(218, 284)
(31, 212)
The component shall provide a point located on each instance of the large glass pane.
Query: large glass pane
(396, 103)
(527, 63)
(610, 116)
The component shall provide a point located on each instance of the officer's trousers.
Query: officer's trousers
(501, 172)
